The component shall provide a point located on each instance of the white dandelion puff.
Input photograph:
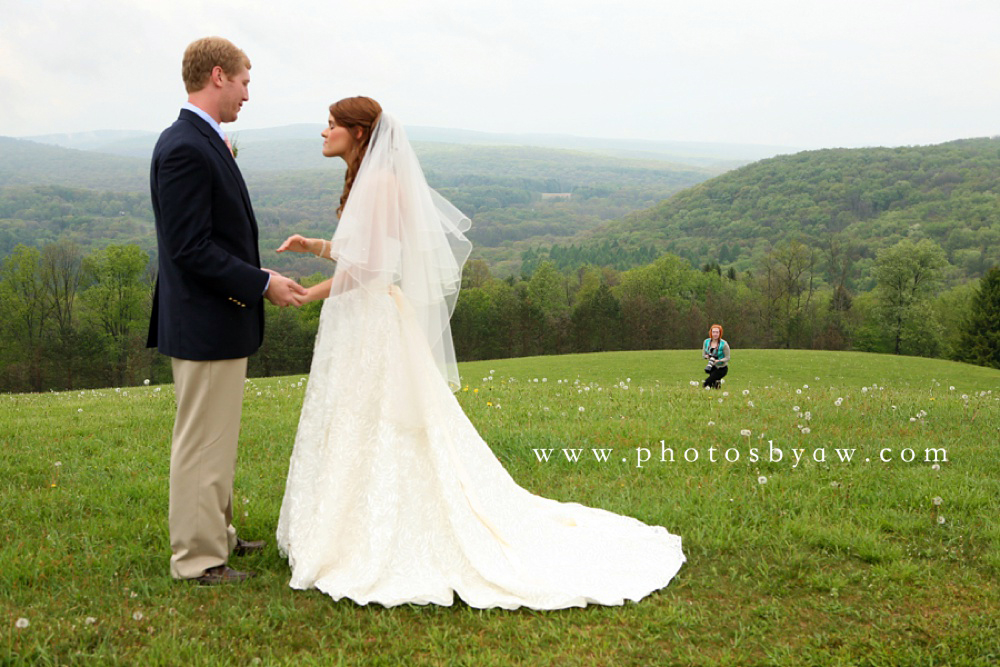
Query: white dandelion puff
(22, 623)
(937, 500)
(137, 616)
(745, 432)
(762, 480)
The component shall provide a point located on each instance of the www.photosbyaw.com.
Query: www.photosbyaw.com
(770, 454)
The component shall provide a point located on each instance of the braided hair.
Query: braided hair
(352, 113)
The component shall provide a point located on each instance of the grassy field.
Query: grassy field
(891, 558)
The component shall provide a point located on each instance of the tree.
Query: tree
(907, 274)
(980, 339)
(597, 322)
(116, 301)
(61, 275)
(25, 310)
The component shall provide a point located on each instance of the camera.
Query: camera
(710, 366)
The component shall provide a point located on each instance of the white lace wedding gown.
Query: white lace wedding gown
(393, 497)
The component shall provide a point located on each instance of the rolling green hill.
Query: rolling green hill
(863, 532)
(871, 197)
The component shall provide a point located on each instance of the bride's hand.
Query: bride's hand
(297, 243)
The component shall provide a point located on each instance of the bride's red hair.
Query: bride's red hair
(353, 113)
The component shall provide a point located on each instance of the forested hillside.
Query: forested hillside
(837, 200)
(49, 193)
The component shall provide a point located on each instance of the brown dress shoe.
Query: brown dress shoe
(245, 548)
(223, 574)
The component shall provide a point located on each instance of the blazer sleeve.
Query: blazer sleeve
(185, 198)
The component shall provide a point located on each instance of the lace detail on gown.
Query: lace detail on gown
(393, 497)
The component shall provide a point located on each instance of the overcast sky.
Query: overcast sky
(797, 73)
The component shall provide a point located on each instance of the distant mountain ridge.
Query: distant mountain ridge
(304, 138)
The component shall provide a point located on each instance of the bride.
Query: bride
(392, 496)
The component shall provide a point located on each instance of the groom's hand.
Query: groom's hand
(284, 291)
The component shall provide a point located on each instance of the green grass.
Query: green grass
(824, 563)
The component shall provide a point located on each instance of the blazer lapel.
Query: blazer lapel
(220, 147)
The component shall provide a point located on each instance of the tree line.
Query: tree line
(71, 319)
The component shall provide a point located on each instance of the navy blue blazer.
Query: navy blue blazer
(208, 302)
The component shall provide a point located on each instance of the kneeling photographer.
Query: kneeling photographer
(716, 351)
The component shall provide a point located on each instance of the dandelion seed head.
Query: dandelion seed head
(22, 623)
(940, 520)
(806, 431)
(90, 620)
(581, 408)
(746, 392)
(798, 391)
(937, 500)
(745, 432)
(711, 423)
(137, 616)
(762, 480)
(935, 467)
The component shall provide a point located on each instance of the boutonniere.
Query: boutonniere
(232, 146)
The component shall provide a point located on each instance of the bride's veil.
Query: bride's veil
(396, 230)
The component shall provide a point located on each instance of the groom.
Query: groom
(208, 310)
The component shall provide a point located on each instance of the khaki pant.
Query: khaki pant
(203, 463)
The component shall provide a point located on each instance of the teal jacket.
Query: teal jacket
(721, 353)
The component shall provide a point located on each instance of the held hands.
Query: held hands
(282, 291)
